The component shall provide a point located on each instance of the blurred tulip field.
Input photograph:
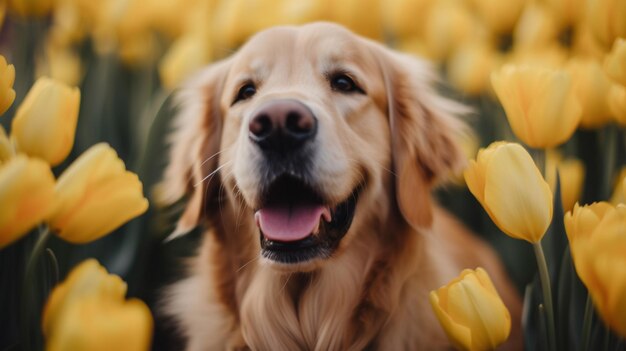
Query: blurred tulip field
(85, 110)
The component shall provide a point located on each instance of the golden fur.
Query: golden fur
(398, 140)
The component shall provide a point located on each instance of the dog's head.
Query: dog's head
(310, 132)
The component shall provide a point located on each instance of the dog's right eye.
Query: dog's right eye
(245, 92)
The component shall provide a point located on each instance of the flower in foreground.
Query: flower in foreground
(471, 311)
(506, 182)
(539, 103)
(88, 311)
(45, 122)
(95, 196)
(26, 196)
(7, 78)
(597, 236)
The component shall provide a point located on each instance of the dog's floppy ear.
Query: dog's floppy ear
(425, 129)
(194, 150)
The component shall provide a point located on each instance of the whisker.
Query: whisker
(247, 263)
(212, 173)
(286, 281)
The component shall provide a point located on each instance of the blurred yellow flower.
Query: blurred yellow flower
(571, 174)
(45, 122)
(61, 64)
(539, 104)
(506, 182)
(552, 56)
(619, 192)
(598, 242)
(591, 86)
(7, 78)
(617, 103)
(27, 8)
(188, 54)
(87, 311)
(469, 68)
(499, 16)
(535, 29)
(606, 19)
(568, 12)
(361, 16)
(405, 18)
(95, 196)
(615, 62)
(448, 26)
(138, 48)
(471, 311)
(26, 196)
(6, 149)
(585, 44)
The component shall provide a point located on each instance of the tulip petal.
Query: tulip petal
(516, 194)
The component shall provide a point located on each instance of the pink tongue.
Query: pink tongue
(288, 224)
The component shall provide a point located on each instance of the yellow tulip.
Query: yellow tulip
(6, 149)
(617, 103)
(539, 103)
(7, 78)
(598, 242)
(45, 122)
(619, 192)
(28, 8)
(568, 11)
(615, 62)
(571, 174)
(361, 16)
(551, 56)
(585, 45)
(405, 18)
(138, 48)
(448, 26)
(470, 66)
(591, 86)
(96, 195)
(471, 311)
(26, 196)
(61, 64)
(499, 16)
(606, 19)
(536, 29)
(506, 182)
(88, 312)
(188, 54)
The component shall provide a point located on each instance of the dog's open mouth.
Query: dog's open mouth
(296, 224)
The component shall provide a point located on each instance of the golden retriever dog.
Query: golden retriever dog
(309, 157)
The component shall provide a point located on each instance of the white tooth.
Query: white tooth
(326, 215)
(257, 219)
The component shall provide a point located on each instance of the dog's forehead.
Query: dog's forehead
(315, 45)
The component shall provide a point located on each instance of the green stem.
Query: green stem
(547, 293)
(587, 324)
(28, 288)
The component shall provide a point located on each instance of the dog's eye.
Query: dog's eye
(343, 83)
(245, 92)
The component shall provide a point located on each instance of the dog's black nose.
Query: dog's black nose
(281, 125)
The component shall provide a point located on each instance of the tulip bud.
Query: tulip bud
(499, 16)
(597, 241)
(470, 66)
(539, 103)
(26, 196)
(7, 78)
(615, 62)
(448, 26)
(45, 123)
(88, 312)
(506, 182)
(536, 29)
(96, 195)
(591, 86)
(471, 311)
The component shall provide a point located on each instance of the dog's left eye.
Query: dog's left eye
(245, 92)
(343, 83)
